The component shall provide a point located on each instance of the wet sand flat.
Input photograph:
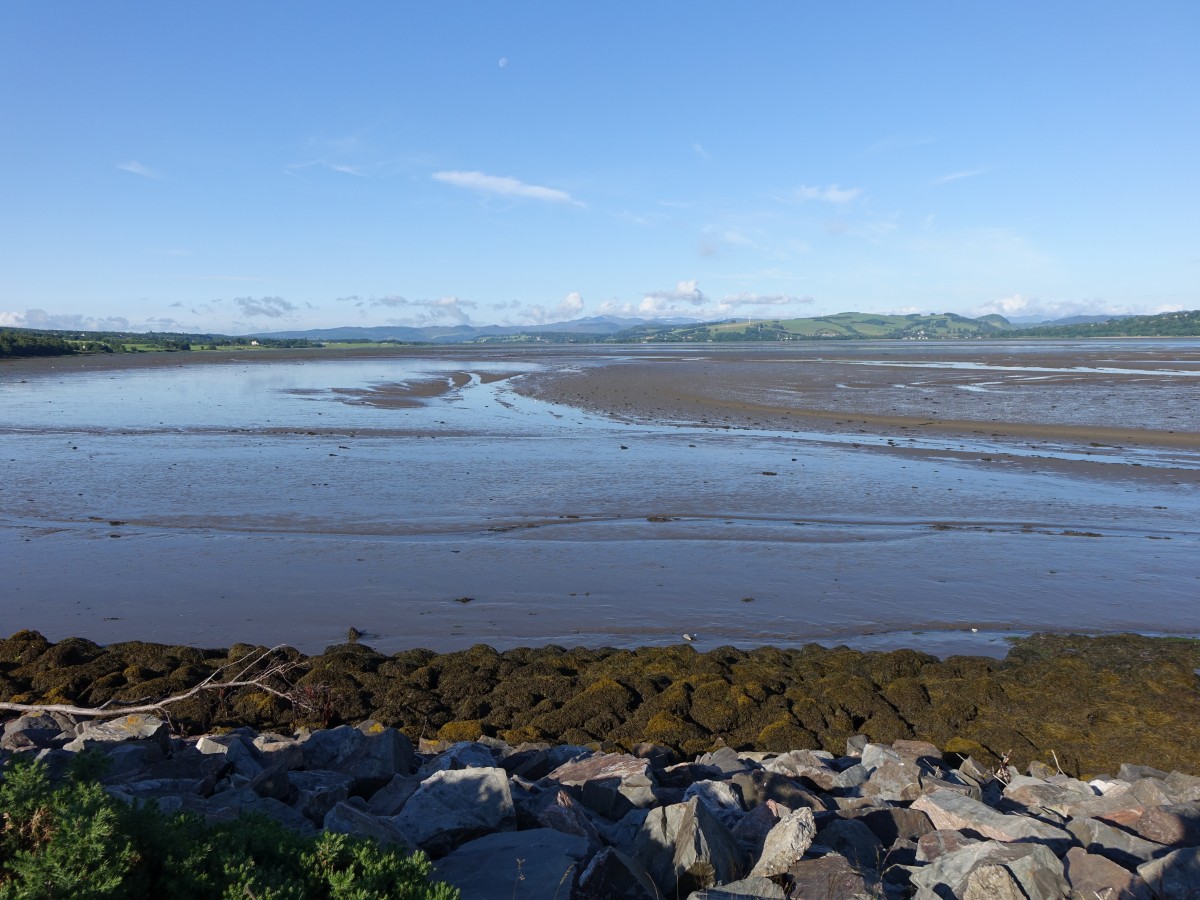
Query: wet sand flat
(604, 495)
(1103, 394)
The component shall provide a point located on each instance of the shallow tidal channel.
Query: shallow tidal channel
(427, 502)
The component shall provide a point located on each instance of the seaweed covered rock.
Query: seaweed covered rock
(1079, 703)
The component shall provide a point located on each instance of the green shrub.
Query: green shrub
(74, 840)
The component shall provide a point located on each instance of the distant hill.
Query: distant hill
(1172, 324)
(1042, 321)
(842, 326)
(597, 326)
(847, 326)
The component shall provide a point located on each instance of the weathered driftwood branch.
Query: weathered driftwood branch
(241, 679)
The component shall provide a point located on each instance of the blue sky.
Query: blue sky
(241, 167)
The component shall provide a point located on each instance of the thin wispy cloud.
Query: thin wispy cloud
(391, 301)
(133, 167)
(734, 301)
(432, 312)
(503, 186)
(699, 150)
(894, 142)
(958, 176)
(39, 318)
(830, 193)
(268, 307)
(340, 168)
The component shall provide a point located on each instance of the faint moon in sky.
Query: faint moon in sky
(503, 61)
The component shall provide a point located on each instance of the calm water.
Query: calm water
(263, 502)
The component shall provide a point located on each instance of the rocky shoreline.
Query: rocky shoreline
(537, 820)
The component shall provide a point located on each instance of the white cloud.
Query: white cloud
(39, 318)
(701, 152)
(686, 296)
(504, 62)
(270, 307)
(735, 301)
(391, 300)
(831, 193)
(1023, 305)
(570, 308)
(424, 312)
(165, 323)
(503, 186)
(136, 168)
(687, 300)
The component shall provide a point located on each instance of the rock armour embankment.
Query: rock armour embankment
(535, 820)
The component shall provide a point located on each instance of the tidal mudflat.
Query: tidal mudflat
(932, 495)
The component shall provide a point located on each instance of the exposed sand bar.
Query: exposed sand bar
(881, 390)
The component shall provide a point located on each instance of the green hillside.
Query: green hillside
(842, 326)
(1172, 324)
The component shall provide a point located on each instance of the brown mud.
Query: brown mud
(1089, 703)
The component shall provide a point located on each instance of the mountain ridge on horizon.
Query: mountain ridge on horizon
(598, 326)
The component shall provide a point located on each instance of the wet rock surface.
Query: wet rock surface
(697, 828)
(1094, 703)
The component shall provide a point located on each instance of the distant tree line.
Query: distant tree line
(1175, 324)
(16, 342)
(20, 342)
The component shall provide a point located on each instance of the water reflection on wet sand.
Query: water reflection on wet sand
(620, 497)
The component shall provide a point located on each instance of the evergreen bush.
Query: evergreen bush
(75, 840)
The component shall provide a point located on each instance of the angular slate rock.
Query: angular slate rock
(239, 753)
(685, 847)
(752, 829)
(746, 889)
(854, 840)
(317, 792)
(455, 805)
(460, 755)
(352, 818)
(721, 798)
(1034, 868)
(1121, 847)
(136, 727)
(954, 811)
(1175, 875)
(786, 843)
(525, 865)
(831, 877)
(557, 810)
(1094, 876)
(34, 731)
(725, 759)
(390, 799)
(613, 875)
(1177, 825)
(893, 823)
(601, 767)
(614, 797)
(938, 843)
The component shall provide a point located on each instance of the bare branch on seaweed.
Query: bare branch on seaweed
(243, 679)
